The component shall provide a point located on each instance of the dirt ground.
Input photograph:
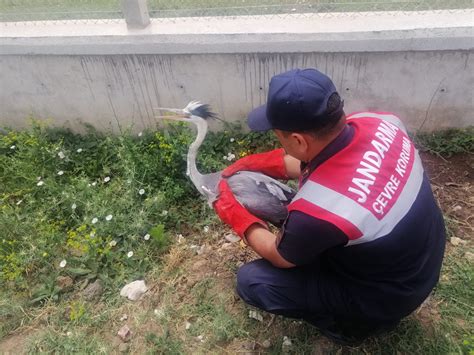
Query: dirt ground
(452, 182)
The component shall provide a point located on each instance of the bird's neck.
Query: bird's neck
(192, 171)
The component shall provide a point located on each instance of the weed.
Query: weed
(67, 343)
(446, 143)
(164, 344)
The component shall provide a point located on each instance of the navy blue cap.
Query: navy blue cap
(297, 101)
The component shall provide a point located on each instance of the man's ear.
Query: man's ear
(301, 142)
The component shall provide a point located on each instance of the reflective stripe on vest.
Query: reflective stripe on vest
(341, 208)
(389, 117)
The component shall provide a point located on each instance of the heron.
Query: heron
(262, 195)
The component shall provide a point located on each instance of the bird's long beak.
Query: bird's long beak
(172, 117)
(179, 114)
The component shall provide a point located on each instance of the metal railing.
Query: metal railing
(137, 12)
(281, 8)
(60, 10)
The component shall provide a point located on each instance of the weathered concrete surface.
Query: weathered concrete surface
(425, 75)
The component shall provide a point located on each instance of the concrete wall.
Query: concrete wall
(425, 75)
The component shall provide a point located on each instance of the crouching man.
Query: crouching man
(364, 240)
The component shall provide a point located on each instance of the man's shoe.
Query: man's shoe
(353, 334)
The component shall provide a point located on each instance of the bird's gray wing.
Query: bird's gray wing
(262, 195)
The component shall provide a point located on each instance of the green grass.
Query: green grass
(79, 343)
(90, 200)
(28, 10)
(446, 143)
(40, 229)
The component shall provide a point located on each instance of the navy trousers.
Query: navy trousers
(305, 293)
(300, 292)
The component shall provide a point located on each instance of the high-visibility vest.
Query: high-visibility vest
(366, 188)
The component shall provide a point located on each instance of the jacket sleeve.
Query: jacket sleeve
(304, 238)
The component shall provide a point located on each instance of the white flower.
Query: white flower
(40, 183)
(68, 334)
(61, 155)
(13, 147)
(164, 213)
(141, 191)
(206, 229)
(89, 185)
(38, 178)
(94, 183)
(62, 263)
(107, 179)
(109, 217)
(129, 254)
(225, 157)
(92, 234)
(79, 150)
(140, 134)
(60, 172)
(232, 140)
(113, 243)
(95, 220)
(146, 236)
(73, 206)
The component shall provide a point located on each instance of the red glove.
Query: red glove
(232, 212)
(271, 163)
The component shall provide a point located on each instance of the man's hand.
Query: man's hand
(232, 212)
(253, 230)
(270, 163)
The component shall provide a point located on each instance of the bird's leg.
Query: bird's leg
(211, 196)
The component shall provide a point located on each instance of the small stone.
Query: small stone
(456, 241)
(187, 325)
(93, 290)
(134, 290)
(200, 338)
(124, 317)
(249, 345)
(123, 348)
(198, 249)
(64, 283)
(255, 315)
(286, 343)
(469, 256)
(226, 245)
(125, 333)
(159, 312)
(230, 237)
(266, 344)
(457, 208)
